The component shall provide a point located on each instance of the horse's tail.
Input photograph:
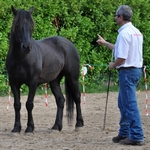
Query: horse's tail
(69, 102)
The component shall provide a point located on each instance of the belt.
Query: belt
(125, 68)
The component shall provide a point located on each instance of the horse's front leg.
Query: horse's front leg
(30, 105)
(17, 107)
(56, 90)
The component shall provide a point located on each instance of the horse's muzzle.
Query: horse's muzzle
(26, 48)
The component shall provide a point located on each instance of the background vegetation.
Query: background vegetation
(80, 21)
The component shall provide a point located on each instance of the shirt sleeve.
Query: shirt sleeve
(122, 46)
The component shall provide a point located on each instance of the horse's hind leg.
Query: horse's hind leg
(72, 92)
(56, 90)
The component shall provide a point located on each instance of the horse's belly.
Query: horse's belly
(47, 76)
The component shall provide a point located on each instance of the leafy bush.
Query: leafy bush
(80, 22)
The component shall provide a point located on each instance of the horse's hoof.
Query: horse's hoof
(57, 127)
(29, 129)
(16, 129)
(78, 129)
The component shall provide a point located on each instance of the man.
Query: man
(128, 60)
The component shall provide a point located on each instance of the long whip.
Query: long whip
(109, 76)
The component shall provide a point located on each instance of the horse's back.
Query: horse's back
(58, 43)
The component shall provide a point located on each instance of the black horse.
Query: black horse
(33, 63)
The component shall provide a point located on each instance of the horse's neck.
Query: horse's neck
(14, 48)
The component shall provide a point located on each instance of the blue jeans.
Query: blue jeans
(130, 121)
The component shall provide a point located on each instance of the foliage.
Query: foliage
(80, 21)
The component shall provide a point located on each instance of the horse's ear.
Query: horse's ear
(31, 10)
(13, 10)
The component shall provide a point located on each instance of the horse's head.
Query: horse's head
(22, 28)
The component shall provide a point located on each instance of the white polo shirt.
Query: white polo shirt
(129, 45)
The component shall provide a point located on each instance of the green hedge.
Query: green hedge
(80, 21)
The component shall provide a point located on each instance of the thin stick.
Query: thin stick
(106, 100)
(107, 93)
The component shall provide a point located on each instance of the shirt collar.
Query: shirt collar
(124, 26)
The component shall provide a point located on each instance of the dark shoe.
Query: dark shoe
(127, 141)
(118, 138)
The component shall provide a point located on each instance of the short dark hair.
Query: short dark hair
(125, 11)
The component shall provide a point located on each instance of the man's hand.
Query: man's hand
(101, 40)
(111, 65)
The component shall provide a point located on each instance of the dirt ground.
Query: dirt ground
(91, 137)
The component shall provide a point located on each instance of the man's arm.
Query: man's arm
(116, 63)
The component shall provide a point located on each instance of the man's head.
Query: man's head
(123, 15)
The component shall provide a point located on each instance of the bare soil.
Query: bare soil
(91, 137)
